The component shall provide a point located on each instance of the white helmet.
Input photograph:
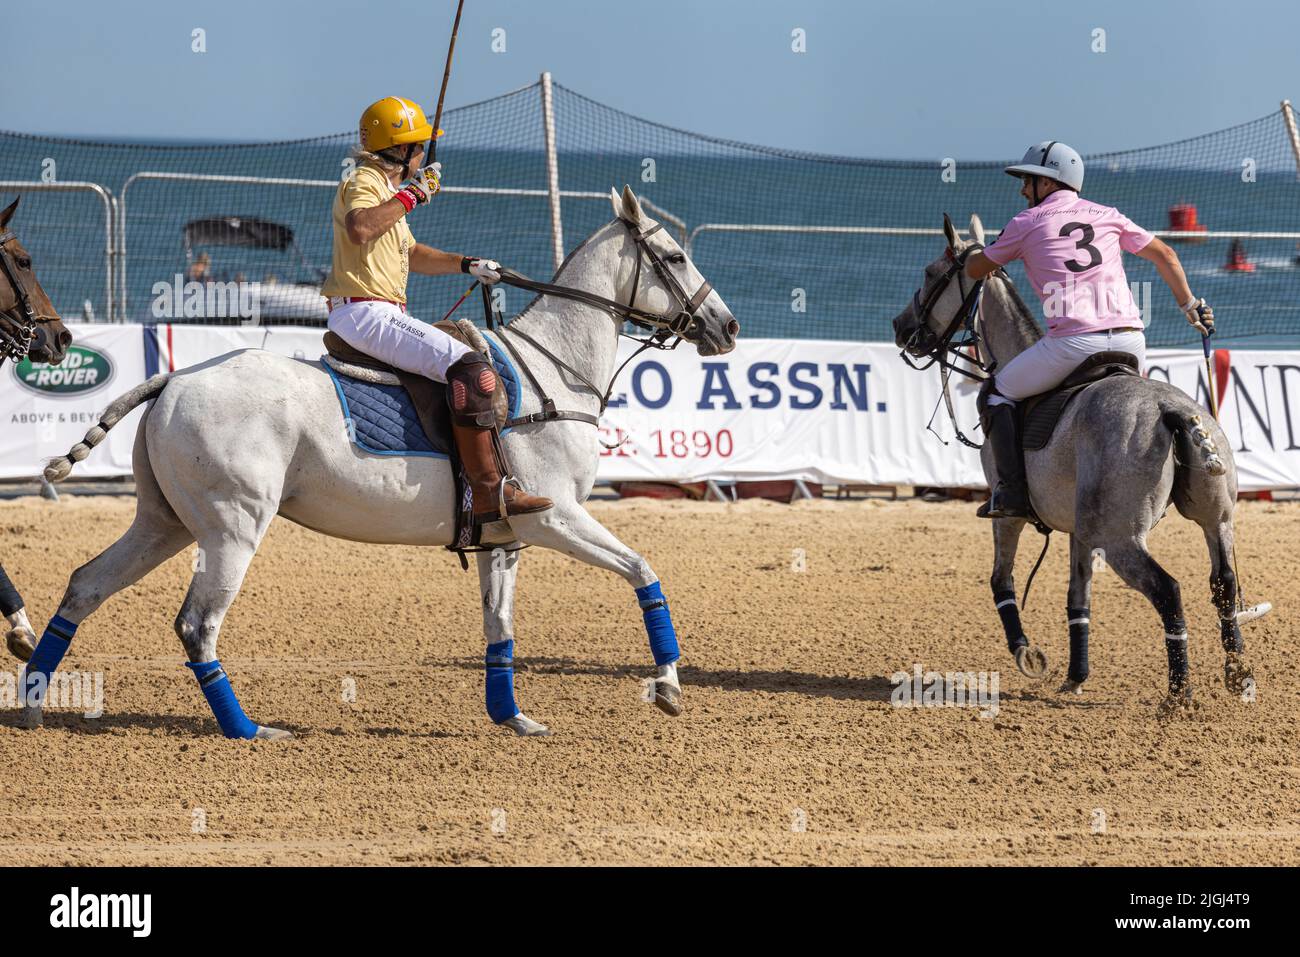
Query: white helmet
(1054, 160)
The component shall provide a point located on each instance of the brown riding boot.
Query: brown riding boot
(478, 456)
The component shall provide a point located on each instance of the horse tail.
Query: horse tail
(1195, 447)
(57, 469)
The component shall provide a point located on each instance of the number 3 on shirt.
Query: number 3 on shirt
(1094, 254)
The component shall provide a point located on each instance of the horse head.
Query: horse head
(29, 324)
(919, 328)
(670, 294)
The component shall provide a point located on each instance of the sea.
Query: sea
(784, 284)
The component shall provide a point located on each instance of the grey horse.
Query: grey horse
(1124, 450)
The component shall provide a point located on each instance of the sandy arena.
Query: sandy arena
(788, 752)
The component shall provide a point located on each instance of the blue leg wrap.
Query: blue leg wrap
(500, 683)
(221, 699)
(49, 652)
(658, 624)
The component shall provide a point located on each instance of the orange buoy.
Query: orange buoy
(1237, 261)
(1183, 219)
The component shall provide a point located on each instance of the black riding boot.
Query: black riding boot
(1010, 498)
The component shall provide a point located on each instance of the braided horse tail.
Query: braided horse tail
(58, 469)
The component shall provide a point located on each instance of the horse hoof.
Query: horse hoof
(1031, 661)
(31, 718)
(271, 734)
(1070, 687)
(21, 643)
(1177, 705)
(526, 727)
(1238, 676)
(668, 698)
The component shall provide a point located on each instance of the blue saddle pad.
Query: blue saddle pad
(383, 417)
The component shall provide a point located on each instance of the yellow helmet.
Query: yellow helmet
(393, 121)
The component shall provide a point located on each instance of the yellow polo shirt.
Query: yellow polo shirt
(377, 269)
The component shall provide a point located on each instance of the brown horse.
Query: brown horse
(29, 327)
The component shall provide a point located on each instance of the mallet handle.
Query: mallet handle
(446, 75)
(1209, 378)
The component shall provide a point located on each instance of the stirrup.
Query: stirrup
(503, 507)
(986, 510)
(501, 514)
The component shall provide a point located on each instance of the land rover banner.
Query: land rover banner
(45, 409)
(818, 410)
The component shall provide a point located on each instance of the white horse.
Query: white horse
(230, 443)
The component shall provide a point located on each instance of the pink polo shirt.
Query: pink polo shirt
(1071, 251)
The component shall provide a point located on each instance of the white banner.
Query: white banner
(1259, 408)
(46, 410)
(822, 411)
(794, 409)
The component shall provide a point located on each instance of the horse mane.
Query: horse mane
(556, 277)
(1020, 313)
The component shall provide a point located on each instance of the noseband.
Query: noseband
(15, 346)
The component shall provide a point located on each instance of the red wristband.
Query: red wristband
(406, 199)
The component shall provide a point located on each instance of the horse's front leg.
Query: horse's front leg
(1006, 537)
(1078, 613)
(19, 635)
(568, 528)
(497, 573)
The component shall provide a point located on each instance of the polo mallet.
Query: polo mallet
(446, 75)
(1245, 612)
(1209, 374)
(459, 301)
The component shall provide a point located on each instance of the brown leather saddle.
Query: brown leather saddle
(1040, 413)
(429, 397)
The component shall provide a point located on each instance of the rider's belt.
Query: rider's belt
(336, 301)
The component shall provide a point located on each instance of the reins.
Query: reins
(941, 349)
(666, 332)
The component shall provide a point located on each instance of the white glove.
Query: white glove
(421, 187)
(1200, 315)
(486, 271)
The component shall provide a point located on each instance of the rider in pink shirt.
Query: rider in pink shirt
(1072, 251)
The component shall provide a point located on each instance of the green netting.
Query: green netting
(850, 284)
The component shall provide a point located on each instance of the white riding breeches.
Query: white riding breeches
(384, 331)
(1049, 360)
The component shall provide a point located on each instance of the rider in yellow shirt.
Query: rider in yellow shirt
(374, 254)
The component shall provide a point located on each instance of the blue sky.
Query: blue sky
(978, 79)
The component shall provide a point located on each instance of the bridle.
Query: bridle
(941, 348)
(15, 345)
(676, 326)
